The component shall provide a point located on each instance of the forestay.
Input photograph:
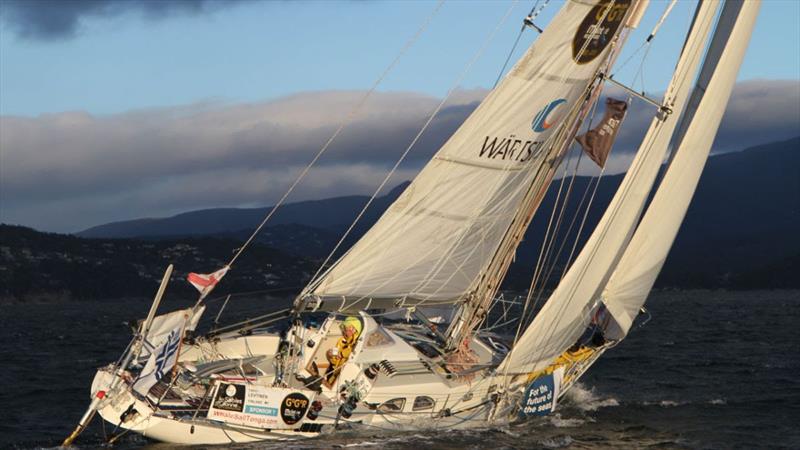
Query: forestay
(645, 255)
(432, 244)
(565, 315)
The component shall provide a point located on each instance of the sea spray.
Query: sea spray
(585, 399)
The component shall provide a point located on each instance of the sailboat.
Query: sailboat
(391, 335)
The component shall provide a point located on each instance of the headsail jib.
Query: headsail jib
(639, 266)
(636, 261)
(564, 315)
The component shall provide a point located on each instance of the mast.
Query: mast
(566, 313)
(474, 310)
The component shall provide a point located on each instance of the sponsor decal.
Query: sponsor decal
(293, 408)
(542, 394)
(258, 406)
(264, 411)
(512, 148)
(549, 115)
(230, 397)
(597, 29)
(509, 148)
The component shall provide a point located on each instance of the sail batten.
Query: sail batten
(440, 235)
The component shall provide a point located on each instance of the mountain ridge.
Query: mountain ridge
(744, 218)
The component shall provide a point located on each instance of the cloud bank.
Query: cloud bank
(72, 170)
(49, 20)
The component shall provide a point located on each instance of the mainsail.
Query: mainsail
(432, 245)
(566, 313)
(645, 255)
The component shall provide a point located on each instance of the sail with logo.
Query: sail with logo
(434, 242)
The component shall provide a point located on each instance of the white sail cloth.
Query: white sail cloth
(433, 243)
(645, 255)
(566, 313)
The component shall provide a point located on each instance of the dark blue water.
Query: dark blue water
(712, 369)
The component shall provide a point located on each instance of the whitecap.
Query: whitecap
(506, 430)
(586, 400)
(557, 442)
(557, 421)
(669, 403)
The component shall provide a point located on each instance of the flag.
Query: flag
(163, 325)
(205, 282)
(161, 361)
(597, 142)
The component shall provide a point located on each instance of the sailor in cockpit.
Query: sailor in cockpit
(337, 356)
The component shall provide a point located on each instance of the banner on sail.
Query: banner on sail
(541, 395)
(258, 406)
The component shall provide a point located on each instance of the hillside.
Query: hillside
(740, 231)
(46, 266)
(744, 218)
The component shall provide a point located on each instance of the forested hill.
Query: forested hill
(45, 266)
(742, 231)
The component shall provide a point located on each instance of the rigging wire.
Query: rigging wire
(251, 293)
(405, 153)
(531, 16)
(640, 75)
(545, 245)
(595, 181)
(559, 154)
(591, 94)
(552, 258)
(646, 44)
(537, 268)
(551, 330)
(350, 117)
(430, 251)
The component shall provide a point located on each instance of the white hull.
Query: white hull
(431, 398)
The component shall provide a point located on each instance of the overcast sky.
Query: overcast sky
(114, 110)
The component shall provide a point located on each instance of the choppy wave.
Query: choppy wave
(586, 399)
(560, 422)
(676, 382)
(557, 442)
